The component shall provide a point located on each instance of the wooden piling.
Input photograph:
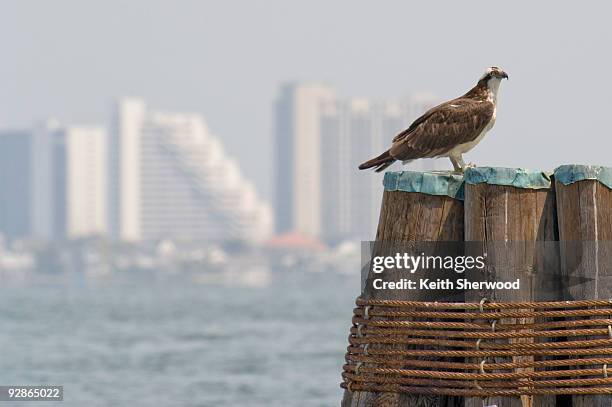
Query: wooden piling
(506, 212)
(415, 207)
(584, 205)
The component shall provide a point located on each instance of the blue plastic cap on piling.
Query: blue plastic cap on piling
(514, 177)
(568, 174)
(430, 183)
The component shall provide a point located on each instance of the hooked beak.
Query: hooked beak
(504, 75)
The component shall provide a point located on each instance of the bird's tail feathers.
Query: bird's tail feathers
(381, 162)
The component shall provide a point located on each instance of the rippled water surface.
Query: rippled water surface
(170, 342)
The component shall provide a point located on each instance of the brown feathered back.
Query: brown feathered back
(445, 126)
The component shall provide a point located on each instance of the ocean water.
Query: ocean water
(172, 342)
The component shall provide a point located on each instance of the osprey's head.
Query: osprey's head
(494, 72)
(491, 80)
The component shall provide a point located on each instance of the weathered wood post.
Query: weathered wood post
(506, 212)
(584, 204)
(416, 207)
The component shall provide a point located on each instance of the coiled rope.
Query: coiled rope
(480, 349)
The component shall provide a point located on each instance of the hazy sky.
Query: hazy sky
(225, 60)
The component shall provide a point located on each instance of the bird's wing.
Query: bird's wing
(442, 128)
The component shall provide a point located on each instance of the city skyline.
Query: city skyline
(114, 179)
(76, 58)
(148, 175)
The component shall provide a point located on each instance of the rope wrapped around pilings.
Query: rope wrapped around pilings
(480, 349)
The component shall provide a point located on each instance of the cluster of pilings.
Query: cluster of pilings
(571, 206)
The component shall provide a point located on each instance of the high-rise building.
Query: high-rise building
(86, 181)
(320, 141)
(124, 152)
(336, 189)
(32, 182)
(298, 157)
(171, 179)
(15, 176)
(48, 181)
(52, 182)
(353, 131)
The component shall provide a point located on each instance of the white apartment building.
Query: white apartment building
(298, 157)
(54, 182)
(86, 181)
(171, 179)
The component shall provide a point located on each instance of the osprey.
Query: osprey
(449, 129)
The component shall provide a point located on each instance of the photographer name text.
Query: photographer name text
(444, 284)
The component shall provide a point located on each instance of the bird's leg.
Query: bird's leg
(458, 163)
